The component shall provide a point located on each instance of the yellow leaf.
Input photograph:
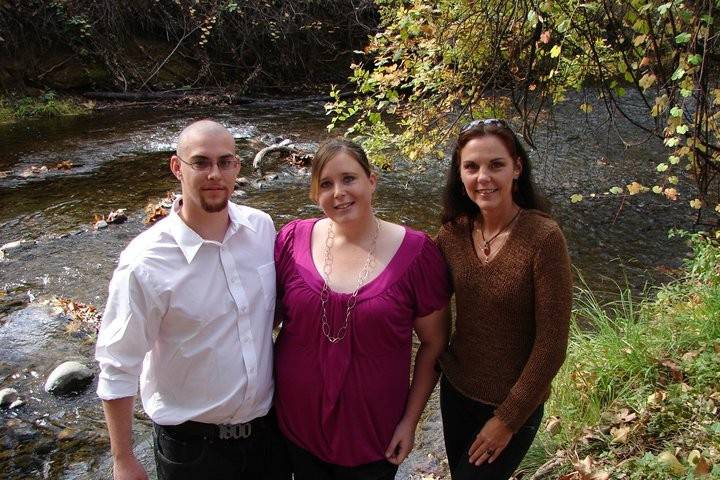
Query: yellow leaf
(670, 461)
(696, 204)
(620, 434)
(575, 198)
(555, 51)
(634, 188)
(646, 81)
(671, 193)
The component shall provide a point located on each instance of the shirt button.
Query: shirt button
(243, 309)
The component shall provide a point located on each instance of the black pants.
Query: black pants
(463, 418)
(187, 452)
(307, 466)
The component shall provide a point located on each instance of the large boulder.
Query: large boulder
(69, 377)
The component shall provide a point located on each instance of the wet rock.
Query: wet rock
(25, 434)
(100, 224)
(44, 447)
(11, 245)
(16, 404)
(68, 377)
(259, 184)
(239, 194)
(242, 181)
(67, 434)
(7, 397)
(118, 216)
(271, 176)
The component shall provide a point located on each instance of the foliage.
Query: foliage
(249, 42)
(639, 394)
(47, 105)
(435, 65)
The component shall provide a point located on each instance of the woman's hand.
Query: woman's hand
(490, 442)
(402, 442)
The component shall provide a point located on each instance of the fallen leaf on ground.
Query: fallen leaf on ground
(553, 426)
(620, 434)
(673, 369)
(670, 461)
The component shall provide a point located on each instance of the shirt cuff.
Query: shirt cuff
(120, 386)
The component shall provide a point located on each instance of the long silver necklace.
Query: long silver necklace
(362, 276)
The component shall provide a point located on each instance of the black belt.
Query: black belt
(211, 431)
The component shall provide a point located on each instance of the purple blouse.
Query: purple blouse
(342, 401)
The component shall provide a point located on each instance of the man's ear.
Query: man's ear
(175, 167)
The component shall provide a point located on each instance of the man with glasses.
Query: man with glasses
(189, 316)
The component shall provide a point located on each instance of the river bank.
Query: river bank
(639, 394)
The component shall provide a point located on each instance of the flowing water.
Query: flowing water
(119, 160)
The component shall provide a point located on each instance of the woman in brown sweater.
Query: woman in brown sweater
(513, 291)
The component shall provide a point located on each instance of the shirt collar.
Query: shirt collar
(190, 242)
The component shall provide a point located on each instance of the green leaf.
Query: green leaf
(657, 189)
(616, 190)
(575, 198)
(678, 74)
(695, 59)
(681, 129)
(676, 111)
(673, 159)
(685, 93)
(532, 18)
(683, 37)
(672, 141)
(555, 51)
(661, 167)
(663, 9)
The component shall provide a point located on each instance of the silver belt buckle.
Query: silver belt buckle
(234, 431)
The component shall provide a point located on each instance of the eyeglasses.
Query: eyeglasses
(205, 165)
(486, 121)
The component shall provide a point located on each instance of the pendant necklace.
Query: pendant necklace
(486, 243)
(362, 276)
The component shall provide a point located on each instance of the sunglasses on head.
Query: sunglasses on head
(486, 121)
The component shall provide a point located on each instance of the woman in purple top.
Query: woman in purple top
(351, 290)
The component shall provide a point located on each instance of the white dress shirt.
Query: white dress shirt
(191, 319)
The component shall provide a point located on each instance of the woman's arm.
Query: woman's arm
(432, 331)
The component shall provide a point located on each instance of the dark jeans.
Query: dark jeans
(463, 418)
(307, 466)
(185, 452)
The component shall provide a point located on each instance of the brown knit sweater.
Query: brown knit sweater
(513, 315)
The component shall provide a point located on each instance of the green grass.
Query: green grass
(46, 105)
(658, 358)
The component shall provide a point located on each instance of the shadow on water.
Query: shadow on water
(119, 160)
